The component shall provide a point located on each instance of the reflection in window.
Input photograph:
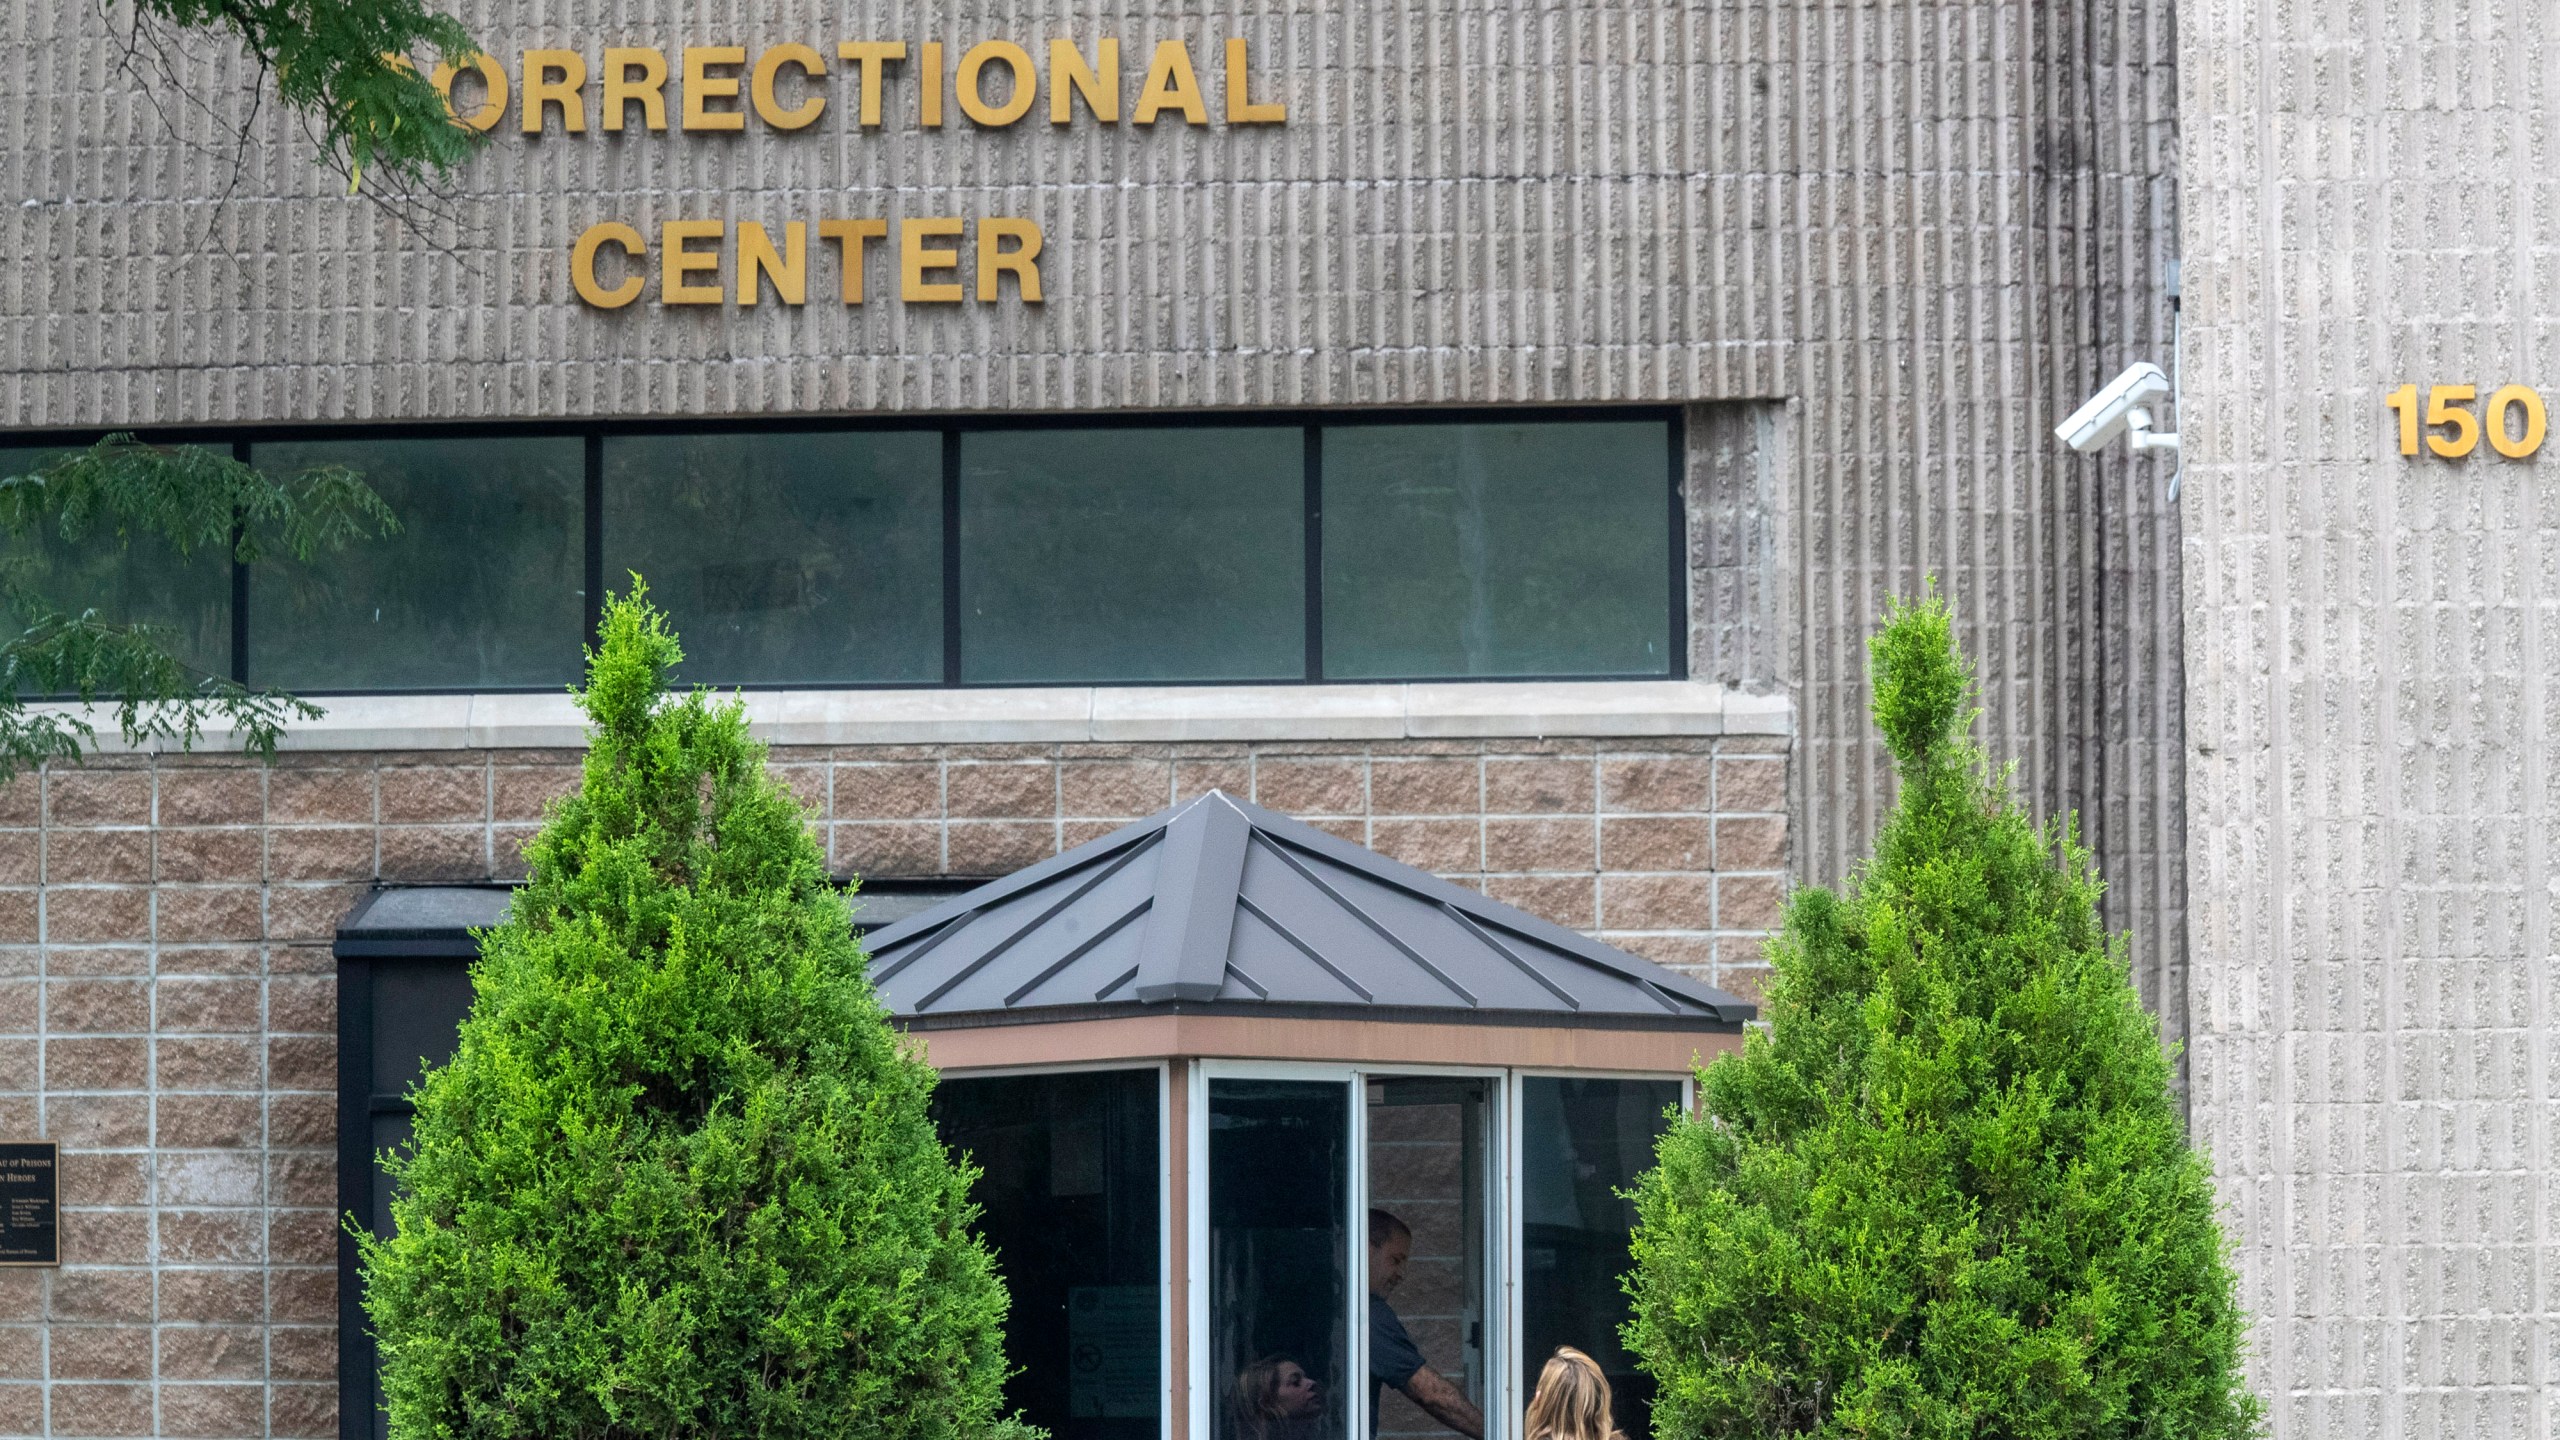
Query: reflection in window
(141, 581)
(1070, 1204)
(1279, 1246)
(1502, 549)
(1103, 555)
(1428, 1176)
(1146, 553)
(1582, 1142)
(800, 558)
(483, 587)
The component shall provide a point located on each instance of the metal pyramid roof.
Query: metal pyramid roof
(1219, 904)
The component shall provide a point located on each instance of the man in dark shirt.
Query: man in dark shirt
(1394, 1360)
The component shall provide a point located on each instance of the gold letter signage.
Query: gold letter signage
(791, 88)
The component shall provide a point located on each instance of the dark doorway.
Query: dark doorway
(1071, 1204)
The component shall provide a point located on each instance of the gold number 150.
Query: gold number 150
(2445, 412)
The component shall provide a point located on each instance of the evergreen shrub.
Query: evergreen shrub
(1948, 1191)
(679, 1179)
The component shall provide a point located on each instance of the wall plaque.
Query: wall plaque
(30, 1215)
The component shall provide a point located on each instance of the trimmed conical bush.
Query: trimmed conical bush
(1948, 1192)
(679, 1179)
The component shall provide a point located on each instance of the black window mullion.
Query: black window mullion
(951, 557)
(1317, 665)
(1315, 553)
(595, 536)
(239, 586)
(1676, 664)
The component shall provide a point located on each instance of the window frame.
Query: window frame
(952, 428)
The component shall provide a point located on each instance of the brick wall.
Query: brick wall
(1673, 849)
(167, 1005)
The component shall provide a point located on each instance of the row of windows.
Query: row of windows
(1419, 549)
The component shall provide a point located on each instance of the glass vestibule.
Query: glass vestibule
(1499, 1190)
(1280, 1242)
(1431, 1180)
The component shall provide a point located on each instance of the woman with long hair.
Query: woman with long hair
(1573, 1400)
(1276, 1399)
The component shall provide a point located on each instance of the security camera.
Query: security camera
(2123, 406)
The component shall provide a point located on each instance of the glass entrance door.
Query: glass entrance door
(1348, 1258)
(1277, 1340)
(1429, 1147)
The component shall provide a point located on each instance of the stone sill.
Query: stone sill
(1497, 710)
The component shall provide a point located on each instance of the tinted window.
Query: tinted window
(483, 586)
(143, 580)
(810, 559)
(1070, 1204)
(1279, 1260)
(1490, 550)
(1145, 553)
(1164, 554)
(1582, 1145)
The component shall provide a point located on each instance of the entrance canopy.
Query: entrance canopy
(1232, 1082)
(1219, 910)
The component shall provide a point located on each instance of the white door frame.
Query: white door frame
(1501, 1247)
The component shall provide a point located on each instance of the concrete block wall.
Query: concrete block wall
(1674, 849)
(2373, 644)
(1910, 235)
(168, 1006)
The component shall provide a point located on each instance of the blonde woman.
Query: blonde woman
(1573, 1400)
(1276, 1399)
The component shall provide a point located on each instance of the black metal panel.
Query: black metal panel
(404, 984)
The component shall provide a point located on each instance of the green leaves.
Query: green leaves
(194, 498)
(110, 494)
(1947, 1193)
(1921, 683)
(679, 1180)
(344, 65)
(151, 693)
